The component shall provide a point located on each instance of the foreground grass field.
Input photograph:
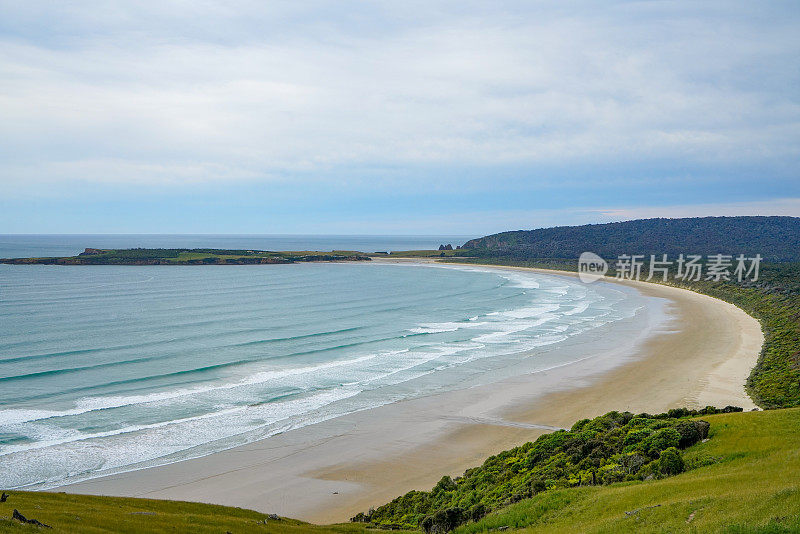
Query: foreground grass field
(748, 482)
(751, 485)
(89, 515)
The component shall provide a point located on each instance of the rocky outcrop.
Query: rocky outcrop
(22, 519)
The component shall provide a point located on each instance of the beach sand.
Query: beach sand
(332, 470)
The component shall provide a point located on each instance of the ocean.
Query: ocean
(111, 368)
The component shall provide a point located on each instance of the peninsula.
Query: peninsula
(183, 256)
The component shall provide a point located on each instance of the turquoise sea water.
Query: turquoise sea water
(109, 368)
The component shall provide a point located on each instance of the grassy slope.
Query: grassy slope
(753, 487)
(90, 515)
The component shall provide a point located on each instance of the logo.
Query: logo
(591, 267)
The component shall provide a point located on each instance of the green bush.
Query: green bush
(443, 520)
(670, 462)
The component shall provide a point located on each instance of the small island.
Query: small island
(184, 256)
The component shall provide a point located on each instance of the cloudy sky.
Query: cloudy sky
(397, 117)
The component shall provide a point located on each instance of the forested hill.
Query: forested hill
(775, 238)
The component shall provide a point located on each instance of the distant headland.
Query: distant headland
(180, 256)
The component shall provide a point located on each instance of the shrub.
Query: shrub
(478, 511)
(445, 484)
(689, 434)
(443, 521)
(670, 462)
(660, 440)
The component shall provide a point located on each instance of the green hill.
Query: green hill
(775, 238)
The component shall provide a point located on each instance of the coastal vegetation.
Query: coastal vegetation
(744, 480)
(196, 256)
(612, 448)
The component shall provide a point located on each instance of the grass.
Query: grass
(95, 515)
(752, 484)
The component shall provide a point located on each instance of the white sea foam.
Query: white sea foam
(92, 404)
(437, 328)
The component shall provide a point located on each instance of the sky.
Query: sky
(429, 117)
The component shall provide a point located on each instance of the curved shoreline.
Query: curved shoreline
(725, 383)
(329, 471)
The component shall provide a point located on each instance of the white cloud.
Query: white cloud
(159, 92)
(782, 206)
(487, 222)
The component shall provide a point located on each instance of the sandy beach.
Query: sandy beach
(330, 471)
